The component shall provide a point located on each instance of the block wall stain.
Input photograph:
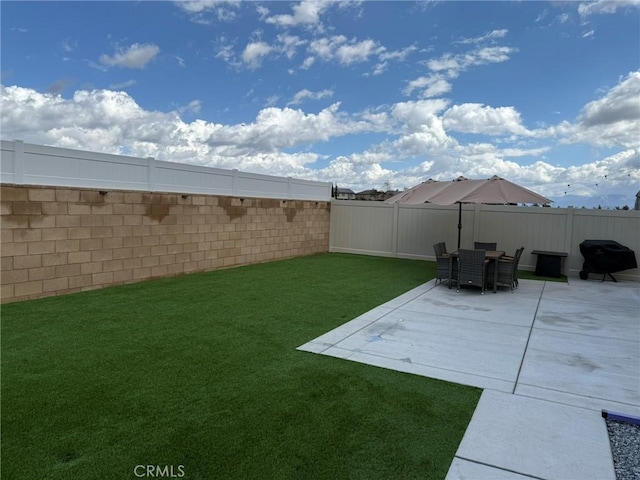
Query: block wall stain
(233, 207)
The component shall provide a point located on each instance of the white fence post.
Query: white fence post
(395, 229)
(234, 183)
(568, 233)
(151, 173)
(18, 162)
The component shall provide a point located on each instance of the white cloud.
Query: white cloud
(196, 6)
(324, 48)
(605, 6)
(136, 56)
(613, 120)
(478, 118)
(288, 44)
(618, 105)
(193, 107)
(276, 128)
(431, 86)
(198, 9)
(224, 49)
(400, 55)
(385, 56)
(452, 65)
(348, 52)
(416, 114)
(356, 52)
(449, 66)
(422, 128)
(305, 93)
(254, 52)
(308, 63)
(306, 13)
(490, 36)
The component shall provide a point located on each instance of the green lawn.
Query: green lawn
(201, 373)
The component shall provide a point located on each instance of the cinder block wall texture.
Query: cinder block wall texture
(58, 240)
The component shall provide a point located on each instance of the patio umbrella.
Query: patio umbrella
(420, 193)
(493, 191)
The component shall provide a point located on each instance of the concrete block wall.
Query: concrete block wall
(58, 240)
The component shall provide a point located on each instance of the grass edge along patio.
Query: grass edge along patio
(201, 371)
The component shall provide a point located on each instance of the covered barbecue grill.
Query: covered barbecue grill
(605, 257)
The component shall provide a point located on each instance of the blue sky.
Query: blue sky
(363, 94)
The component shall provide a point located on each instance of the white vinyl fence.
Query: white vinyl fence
(409, 231)
(27, 164)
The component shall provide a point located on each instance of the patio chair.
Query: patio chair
(472, 269)
(508, 270)
(492, 246)
(443, 263)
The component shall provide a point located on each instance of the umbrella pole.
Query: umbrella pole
(459, 223)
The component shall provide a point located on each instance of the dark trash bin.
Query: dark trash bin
(605, 257)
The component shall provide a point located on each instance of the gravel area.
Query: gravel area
(625, 446)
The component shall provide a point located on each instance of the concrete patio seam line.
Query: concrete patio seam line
(526, 346)
(440, 315)
(557, 330)
(569, 393)
(499, 468)
(361, 352)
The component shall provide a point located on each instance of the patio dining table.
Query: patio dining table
(491, 255)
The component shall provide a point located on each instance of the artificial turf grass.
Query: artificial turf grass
(202, 371)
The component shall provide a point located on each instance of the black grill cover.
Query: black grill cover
(606, 256)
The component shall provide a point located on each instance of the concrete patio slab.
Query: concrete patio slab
(537, 438)
(470, 304)
(585, 366)
(622, 319)
(595, 292)
(550, 357)
(484, 350)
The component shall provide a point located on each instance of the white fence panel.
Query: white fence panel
(530, 227)
(28, 164)
(356, 228)
(176, 177)
(420, 226)
(409, 231)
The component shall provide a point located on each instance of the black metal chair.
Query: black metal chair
(472, 269)
(508, 270)
(491, 246)
(444, 264)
